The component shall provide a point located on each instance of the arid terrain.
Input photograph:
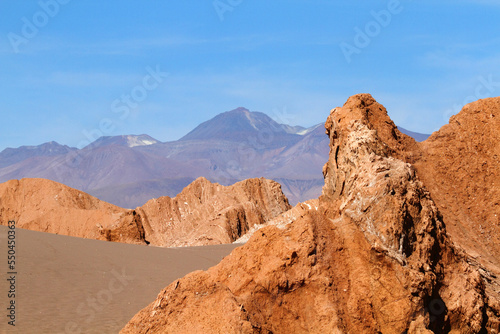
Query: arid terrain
(72, 285)
(202, 214)
(404, 239)
(250, 167)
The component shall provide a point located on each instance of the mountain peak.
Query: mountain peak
(124, 140)
(241, 124)
(11, 156)
(239, 110)
(235, 125)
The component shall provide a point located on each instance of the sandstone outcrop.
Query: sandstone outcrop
(203, 213)
(206, 213)
(460, 165)
(282, 220)
(373, 257)
(47, 206)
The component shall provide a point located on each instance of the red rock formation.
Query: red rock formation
(460, 165)
(206, 213)
(385, 198)
(48, 206)
(203, 213)
(375, 257)
(284, 219)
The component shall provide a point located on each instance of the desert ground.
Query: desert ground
(73, 285)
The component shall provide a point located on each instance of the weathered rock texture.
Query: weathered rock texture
(460, 165)
(281, 221)
(374, 257)
(203, 213)
(48, 206)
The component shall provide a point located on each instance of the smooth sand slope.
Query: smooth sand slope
(73, 285)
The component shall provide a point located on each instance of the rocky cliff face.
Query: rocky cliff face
(203, 213)
(375, 188)
(460, 165)
(206, 213)
(374, 256)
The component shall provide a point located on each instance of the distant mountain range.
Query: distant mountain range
(10, 156)
(129, 170)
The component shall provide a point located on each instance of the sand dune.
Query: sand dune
(73, 285)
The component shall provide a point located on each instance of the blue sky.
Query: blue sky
(67, 78)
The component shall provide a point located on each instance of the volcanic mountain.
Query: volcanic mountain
(403, 239)
(130, 170)
(241, 125)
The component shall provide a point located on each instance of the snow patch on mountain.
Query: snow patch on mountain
(133, 141)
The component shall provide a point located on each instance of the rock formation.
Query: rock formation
(460, 166)
(48, 206)
(282, 220)
(203, 213)
(374, 256)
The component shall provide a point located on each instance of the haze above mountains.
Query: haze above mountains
(129, 170)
